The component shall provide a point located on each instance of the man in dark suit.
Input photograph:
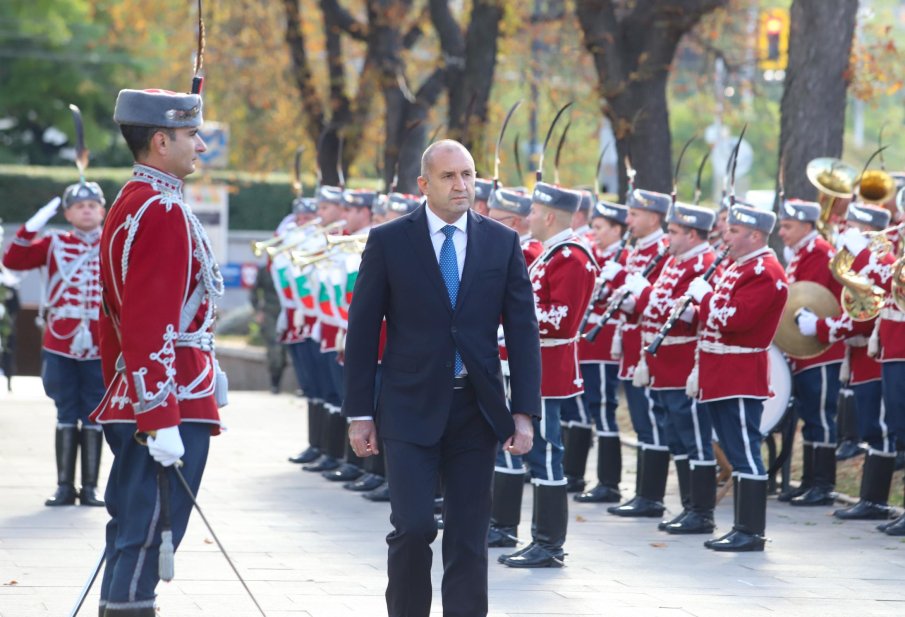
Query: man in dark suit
(445, 278)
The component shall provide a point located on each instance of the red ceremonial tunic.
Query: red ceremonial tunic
(72, 288)
(855, 335)
(159, 283)
(645, 251)
(531, 250)
(562, 279)
(600, 351)
(891, 322)
(811, 262)
(670, 367)
(739, 319)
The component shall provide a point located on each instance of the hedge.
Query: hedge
(256, 201)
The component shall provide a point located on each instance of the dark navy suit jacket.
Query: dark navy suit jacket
(400, 279)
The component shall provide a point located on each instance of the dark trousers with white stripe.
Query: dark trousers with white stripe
(737, 425)
(598, 403)
(871, 417)
(544, 460)
(305, 355)
(689, 430)
(76, 387)
(133, 502)
(648, 416)
(894, 399)
(816, 394)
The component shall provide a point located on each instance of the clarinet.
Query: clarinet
(680, 307)
(600, 292)
(616, 304)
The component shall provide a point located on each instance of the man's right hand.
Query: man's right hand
(40, 218)
(610, 270)
(166, 446)
(363, 437)
(523, 437)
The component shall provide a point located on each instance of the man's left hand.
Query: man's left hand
(523, 437)
(363, 437)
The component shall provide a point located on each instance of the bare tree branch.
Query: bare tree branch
(345, 21)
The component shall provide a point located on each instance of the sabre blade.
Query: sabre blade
(197, 78)
(597, 187)
(562, 141)
(297, 170)
(697, 184)
(675, 175)
(540, 164)
(499, 142)
(81, 152)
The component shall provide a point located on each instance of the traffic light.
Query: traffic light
(773, 40)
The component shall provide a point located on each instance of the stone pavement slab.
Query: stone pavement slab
(308, 548)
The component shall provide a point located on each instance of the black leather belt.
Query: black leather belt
(460, 382)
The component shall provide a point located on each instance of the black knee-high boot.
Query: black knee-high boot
(91, 443)
(67, 448)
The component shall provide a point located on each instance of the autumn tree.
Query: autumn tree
(633, 45)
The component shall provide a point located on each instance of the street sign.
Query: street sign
(773, 40)
(216, 138)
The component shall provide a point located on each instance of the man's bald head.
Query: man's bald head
(444, 145)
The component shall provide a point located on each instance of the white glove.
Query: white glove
(610, 270)
(688, 314)
(698, 288)
(807, 322)
(853, 240)
(635, 283)
(40, 218)
(166, 447)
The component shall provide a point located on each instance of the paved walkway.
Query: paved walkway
(309, 548)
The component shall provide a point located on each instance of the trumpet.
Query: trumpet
(261, 246)
(333, 245)
(294, 241)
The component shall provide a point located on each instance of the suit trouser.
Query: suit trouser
(737, 425)
(76, 387)
(816, 394)
(648, 416)
(871, 416)
(464, 461)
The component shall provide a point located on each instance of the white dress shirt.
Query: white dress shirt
(460, 238)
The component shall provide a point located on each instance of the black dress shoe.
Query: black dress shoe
(64, 496)
(630, 502)
(344, 473)
(848, 449)
(502, 537)
(896, 527)
(308, 455)
(599, 494)
(88, 497)
(864, 511)
(535, 556)
(326, 463)
(736, 541)
(661, 526)
(815, 496)
(692, 522)
(367, 482)
(575, 485)
(640, 507)
(379, 494)
(502, 558)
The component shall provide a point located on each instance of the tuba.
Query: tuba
(861, 300)
(835, 182)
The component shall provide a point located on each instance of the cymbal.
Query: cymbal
(818, 299)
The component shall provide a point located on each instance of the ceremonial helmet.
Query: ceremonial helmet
(83, 191)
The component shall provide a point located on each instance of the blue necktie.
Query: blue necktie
(449, 268)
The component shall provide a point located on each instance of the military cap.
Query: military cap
(402, 203)
(83, 191)
(513, 200)
(617, 213)
(555, 197)
(799, 210)
(482, 189)
(586, 201)
(158, 108)
(742, 213)
(331, 194)
(687, 215)
(650, 201)
(359, 198)
(304, 205)
(875, 216)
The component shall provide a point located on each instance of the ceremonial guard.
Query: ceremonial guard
(509, 207)
(9, 309)
(688, 426)
(581, 220)
(563, 280)
(647, 211)
(739, 316)
(70, 305)
(887, 342)
(328, 371)
(815, 380)
(400, 204)
(600, 370)
(160, 282)
(863, 376)
(482, 189)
